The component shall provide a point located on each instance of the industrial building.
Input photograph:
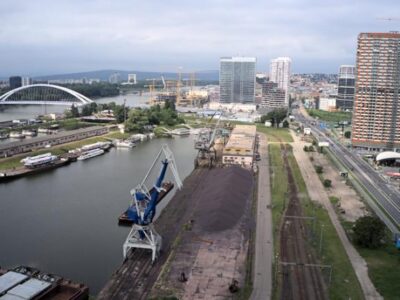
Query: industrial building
(376, 117)
(240, 148)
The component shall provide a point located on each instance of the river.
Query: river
(11, 112)
(65, 221)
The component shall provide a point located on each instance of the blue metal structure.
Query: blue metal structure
(143, 207)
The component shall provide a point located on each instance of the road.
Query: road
(387, 197)
(262, 285)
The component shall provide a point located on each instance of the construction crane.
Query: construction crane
(205, 144)
(142, 210)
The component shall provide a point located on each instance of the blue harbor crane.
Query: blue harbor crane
(142, 210)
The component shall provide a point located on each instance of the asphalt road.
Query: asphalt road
(262, 285)
(386, 196)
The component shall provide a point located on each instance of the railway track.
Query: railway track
(298, 281)
(136, 276)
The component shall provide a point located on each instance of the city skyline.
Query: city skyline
(71, 36)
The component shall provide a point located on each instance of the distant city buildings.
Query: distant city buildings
(237, 79)
(272, 97)
(376, 117)
(280, 70)
(346, 84)
(26, 81)
(15, 82)
(114, 78)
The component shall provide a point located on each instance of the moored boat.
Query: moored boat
(125, 144)
(90, 154)
(16, 135)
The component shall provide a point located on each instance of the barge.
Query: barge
(15, 173)
(29, 283)
(123, 219)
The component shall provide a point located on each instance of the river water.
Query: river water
(11, 112)
(64, 221)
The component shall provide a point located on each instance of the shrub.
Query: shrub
(327, 183)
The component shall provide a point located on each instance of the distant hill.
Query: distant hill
(105, 74)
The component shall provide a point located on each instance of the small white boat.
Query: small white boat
(29, 132)
(90, 154)
(17, 135)
(125, 144)
(43, 130)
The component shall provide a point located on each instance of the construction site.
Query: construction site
(200, 246)
(183, 93)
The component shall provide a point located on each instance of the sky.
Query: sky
(44, 37)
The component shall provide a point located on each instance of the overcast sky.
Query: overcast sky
(59, 36)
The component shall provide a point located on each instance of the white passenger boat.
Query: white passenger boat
(90, 154)
(16, 135)
(125, 144)
(29, 132)
(35, 157)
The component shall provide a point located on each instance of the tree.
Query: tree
(369, 231)
(319, 169)
(347, 134)
(327, 183)
(276, 116)
(285, 124)
(74, 111)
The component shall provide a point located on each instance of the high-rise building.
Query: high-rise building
(280, 70)
(346, 82)
(272, 97)
(376, 116)
(114, 78)
(132, 78)
(26, 81)
(237, 79)
(15, 82)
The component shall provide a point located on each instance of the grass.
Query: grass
(344, 283)
(279, 189)
(330, 116)
(383, 269)
(275, 135)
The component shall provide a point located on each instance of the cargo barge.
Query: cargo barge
(15, 173)
(123, 219)
(29, 283)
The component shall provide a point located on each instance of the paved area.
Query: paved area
(349, 201)
(317, 193)
(262, 284)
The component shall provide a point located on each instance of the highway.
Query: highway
(385, 195)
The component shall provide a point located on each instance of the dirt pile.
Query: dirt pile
(224, 199)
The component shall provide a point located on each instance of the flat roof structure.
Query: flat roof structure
(240, 147)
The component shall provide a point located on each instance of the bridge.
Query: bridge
(44, 94)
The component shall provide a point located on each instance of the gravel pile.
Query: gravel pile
(224, 199)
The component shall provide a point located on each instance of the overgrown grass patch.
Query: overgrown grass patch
(329, 116)
(276, 135)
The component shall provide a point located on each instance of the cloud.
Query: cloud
(44, 36)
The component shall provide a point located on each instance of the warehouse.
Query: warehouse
(240, 148)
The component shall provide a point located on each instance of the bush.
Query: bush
(368, 232)
(319, 169)
(305, 148)
(327, 183)
(347, 134)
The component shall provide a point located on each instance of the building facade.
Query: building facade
(376, 116)
(237, 79)
(346, 86)
(272, 97)
(280, 70)
(15, 82)
(240, 148)
(26, 81)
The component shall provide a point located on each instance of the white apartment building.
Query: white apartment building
(280, 70)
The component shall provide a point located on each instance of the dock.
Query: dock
(197, 216)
